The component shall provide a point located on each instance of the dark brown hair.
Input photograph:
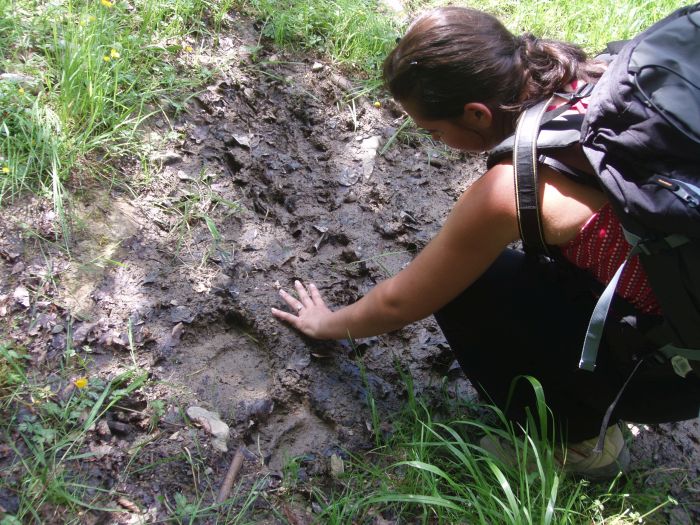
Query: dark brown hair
(451, 56)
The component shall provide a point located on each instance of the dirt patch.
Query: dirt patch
(271, 177)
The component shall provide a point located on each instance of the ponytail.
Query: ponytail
(451, 56)
(548, 66)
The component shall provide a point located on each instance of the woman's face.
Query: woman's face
(468, 132)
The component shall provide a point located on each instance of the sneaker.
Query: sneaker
(578, 458)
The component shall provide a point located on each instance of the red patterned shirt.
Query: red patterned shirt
(600, 247)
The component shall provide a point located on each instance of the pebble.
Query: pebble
(166, 158)
(337, 466)
(103, 428)
(211, 422)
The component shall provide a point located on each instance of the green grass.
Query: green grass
(46, 432)
(359, 33)
(425, 468)
(351, 32)
(431, 471)
(591, 24)
(91, 73)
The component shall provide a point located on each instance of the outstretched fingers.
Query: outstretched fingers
(309, 313)
(285, 316)
(315, 295)
(306, 298)
(303, 294)
(294, 303)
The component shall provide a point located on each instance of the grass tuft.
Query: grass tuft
(354, 33)
(46, 430)
(81, 79)
(432, 471)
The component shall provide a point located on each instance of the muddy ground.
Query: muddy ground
(270, 175)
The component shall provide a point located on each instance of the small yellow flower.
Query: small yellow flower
(106, 58)
(107, 4)
(92, 18)
(82, 23)
(5, 169)
(188, 49)
(377, 104)
(21, 91)
(81, 382)
(114, 53)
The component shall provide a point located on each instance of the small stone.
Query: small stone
(337, 466)
(239, 139)
(184, 176)
(128, 505)
(82, 332)
(21, 296)
(31, 84)
(166, 158)
(101, 451)
(181, 314)
(317, 66)
(102, 428)
(119, 428)
(371, 143)
(347, 177)
(212, 423)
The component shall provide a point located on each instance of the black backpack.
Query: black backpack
(641, 134)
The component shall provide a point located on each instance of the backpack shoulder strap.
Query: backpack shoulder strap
(525, 173)
(524, 145)
(556, 128)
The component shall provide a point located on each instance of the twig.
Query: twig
(236, 464)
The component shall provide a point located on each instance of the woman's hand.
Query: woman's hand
(310, 312)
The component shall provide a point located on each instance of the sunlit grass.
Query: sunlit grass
(46, 432)
(591, 24)
(436, 471)
(81, 78)
(359, 33)
(354, 33)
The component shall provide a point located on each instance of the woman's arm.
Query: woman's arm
(481, 224)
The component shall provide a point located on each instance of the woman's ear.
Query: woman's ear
(477, 115)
